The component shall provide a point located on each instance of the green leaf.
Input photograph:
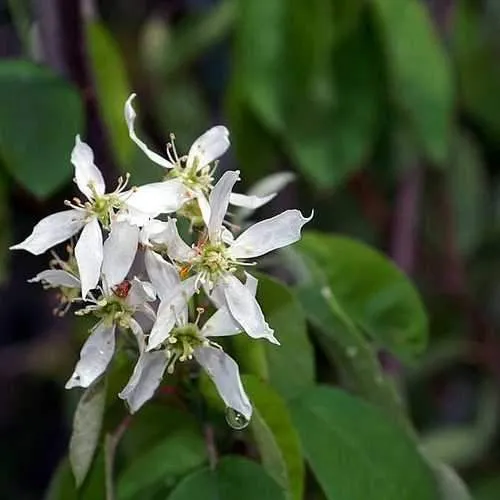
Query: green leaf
(291, 365)
(276, 437)
(425, 98)
(112, 87)
(468, 187)
(87, 425)
(40, 115)
(163, 463)
(478, 71)
(234, 477)
(356, 453)
(373, 292)
(332, 125)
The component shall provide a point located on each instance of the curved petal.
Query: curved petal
(219, 201)
(204, 207)
(130, 116)
(172, 311)
(119, 252)
(86, 172)
(271, 184)
(208, 147)
(252, 202)
(140, 292)
(177, 249)
(56, 277)
(225, 374)
(145, 379)
(152, 229)
(222, 323)
(246, 310)
(138, 332)
(163, 275)
(270, 234)
(88, 253)
(157, 198)
(95, 356)
(52, 230)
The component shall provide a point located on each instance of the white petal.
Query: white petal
(119, 251)
(140, 292)
(157, 198)
(177, 249)
(130, 116)
(227, 236)
(162, 274)
(138, 332)
(86, 172)
(251, 202)
(151, 230)
(270, 234)
(224, 372)
(57, 277)
(246, 310)
(88, 253)
(219, 201)
(95, 356)
(52, 230)
(208, 147)
(171, 311)
(271, 184)
(222, 323)
(204, 207)
(145, 379)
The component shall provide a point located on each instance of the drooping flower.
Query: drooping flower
(196, 169)
(218, 256)
(182, 341)
(100, 209)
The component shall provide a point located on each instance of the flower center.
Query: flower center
(112, 309)
(213, 261)
(104, 207)
(182, 342)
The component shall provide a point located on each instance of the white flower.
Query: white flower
(218, 256)
(195, 170)
(117, 307)
(184, 341)
(100, 209)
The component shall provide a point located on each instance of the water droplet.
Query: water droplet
(235, 419)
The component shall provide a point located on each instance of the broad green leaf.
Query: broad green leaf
(373, 292)
(172, 457)
(347, 348)
(63, 487)
(468, 186)
(291, 365)
(478, 71)
(276, 437)
(355, 452)
(40, 115)
(87, 425)
(233, 478)
(332, 125)
(425, 98)
(112, 87)
(486, 488)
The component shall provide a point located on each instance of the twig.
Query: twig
(406, 219)
(211, 446)
(111, 443)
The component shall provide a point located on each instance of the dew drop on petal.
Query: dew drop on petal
(235, 419)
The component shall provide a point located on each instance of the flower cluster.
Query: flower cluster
(149, 288)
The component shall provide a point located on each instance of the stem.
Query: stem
(111, 442)
(211, 446)
(21, 21)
